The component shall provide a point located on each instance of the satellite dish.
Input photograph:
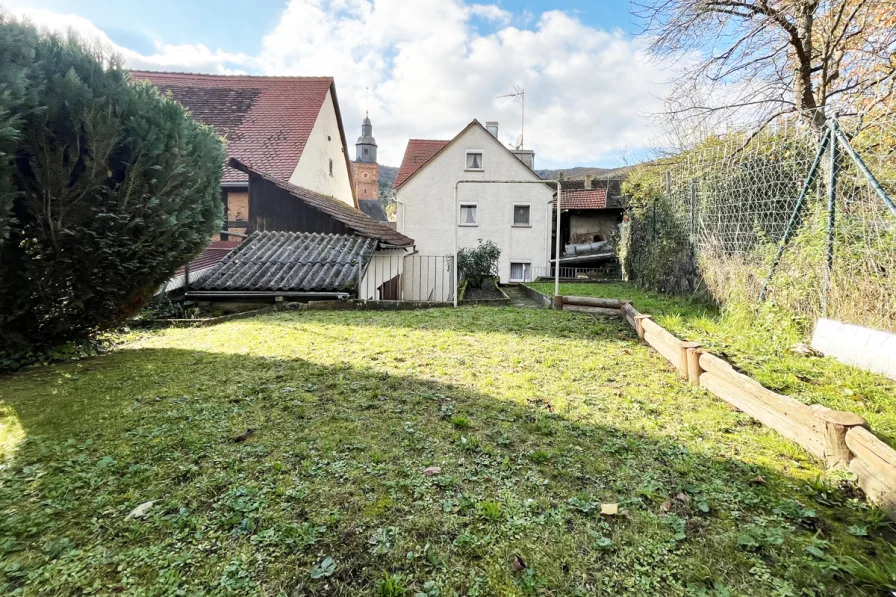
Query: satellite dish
(519, 142)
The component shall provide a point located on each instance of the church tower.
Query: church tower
(367, 171)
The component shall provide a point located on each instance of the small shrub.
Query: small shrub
(477, 264)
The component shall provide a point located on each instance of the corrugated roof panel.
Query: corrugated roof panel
(292, 262)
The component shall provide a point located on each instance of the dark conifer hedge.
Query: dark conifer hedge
(106, 188)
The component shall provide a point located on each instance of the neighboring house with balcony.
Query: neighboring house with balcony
(515, 217)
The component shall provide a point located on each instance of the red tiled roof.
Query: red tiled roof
(583, 199)
(418, 153)
(211, 255)
(266, 120)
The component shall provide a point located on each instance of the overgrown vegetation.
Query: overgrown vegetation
(105, 189)
(294, 454)
(761, 344)
(478, 263)
(709, 222)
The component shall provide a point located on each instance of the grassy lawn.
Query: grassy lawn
(536, 419)
(760, 346)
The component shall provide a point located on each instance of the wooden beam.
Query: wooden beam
(593, 310)
(588, 301)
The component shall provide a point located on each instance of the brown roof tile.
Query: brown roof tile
(583, 199)
(266, 120)
(418, 153)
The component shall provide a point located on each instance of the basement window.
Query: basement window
(474, 160)
(519, 272)
(468, 215)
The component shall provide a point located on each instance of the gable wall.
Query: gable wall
(324, 144)
(426, 210)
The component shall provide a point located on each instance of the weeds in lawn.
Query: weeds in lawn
(760, 343)
(566, 414)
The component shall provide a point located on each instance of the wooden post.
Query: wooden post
(694, 370)
(683, 365)
(639, 319)
(558, 302)
(834, 424)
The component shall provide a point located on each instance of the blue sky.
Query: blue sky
(431, 65)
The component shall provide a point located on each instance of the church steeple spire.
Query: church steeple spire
(365, 148)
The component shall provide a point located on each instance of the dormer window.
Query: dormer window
(474, 160)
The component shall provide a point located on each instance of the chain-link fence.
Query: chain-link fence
(743, 205)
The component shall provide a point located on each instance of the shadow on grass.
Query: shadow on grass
(334, 467)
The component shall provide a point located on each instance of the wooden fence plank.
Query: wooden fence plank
(661, 344)
(590, 301)
(777, 414)
(878, 489)
(785, 405)
(593, 310)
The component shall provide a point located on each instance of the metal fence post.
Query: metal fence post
(693, 224)
(794, 217)
(832, 214)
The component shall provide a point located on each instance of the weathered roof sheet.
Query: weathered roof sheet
(373, 209)
(352, 218)
(416, 155)
(291, 262)
(266, 120)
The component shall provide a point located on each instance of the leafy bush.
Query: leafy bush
(106, 188)
(479, 263)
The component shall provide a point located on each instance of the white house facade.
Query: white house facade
(516, 217)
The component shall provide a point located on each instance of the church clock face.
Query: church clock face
(366, 175)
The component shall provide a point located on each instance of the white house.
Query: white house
(516, 217)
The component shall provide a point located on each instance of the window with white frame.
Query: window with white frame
(520, 271)
(468, 214)
(474, 160)
(521, 215)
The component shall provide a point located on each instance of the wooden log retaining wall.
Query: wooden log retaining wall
(841, 439)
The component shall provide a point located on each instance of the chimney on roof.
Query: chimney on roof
(492, 127)
(588, 181)
(526, 156)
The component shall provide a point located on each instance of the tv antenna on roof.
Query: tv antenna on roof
(519, 96)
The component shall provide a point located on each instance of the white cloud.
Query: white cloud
(432, 66)
(491, 12)
(191, 57)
